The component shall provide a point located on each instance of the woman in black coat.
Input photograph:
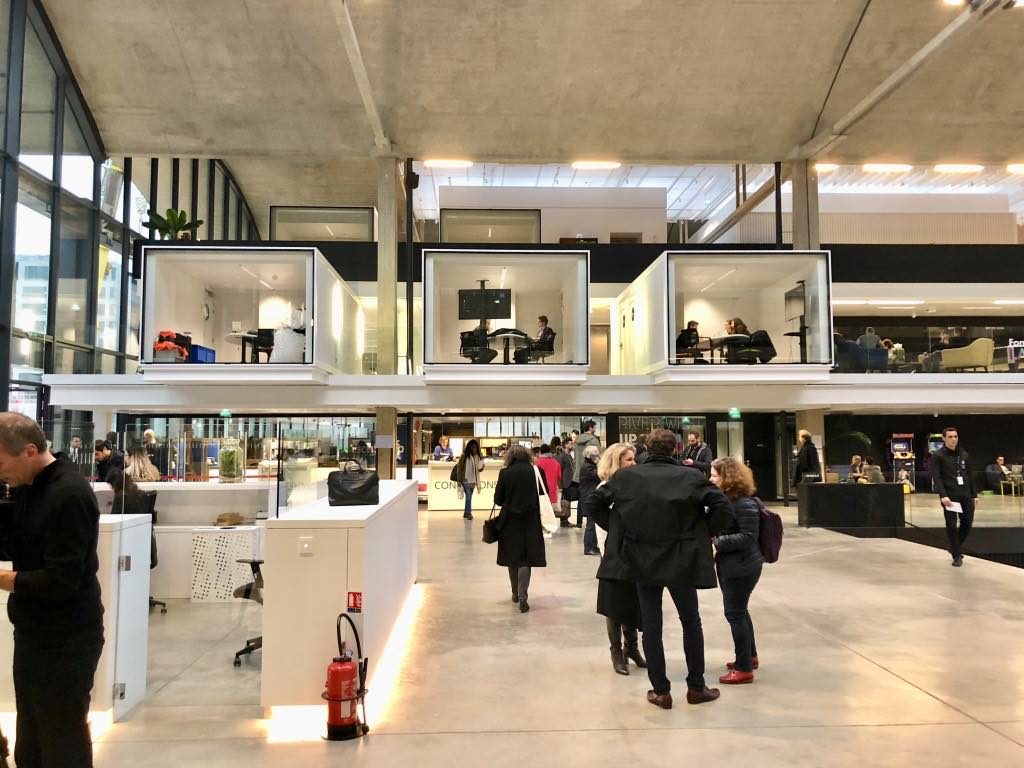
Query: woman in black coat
(739, 561)
(521, 541)
(617, 598)
(588, 484)
(807, 460)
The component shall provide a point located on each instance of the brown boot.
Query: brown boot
(632, 647)
(615, 645)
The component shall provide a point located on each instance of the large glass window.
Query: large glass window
(76, 259)
(108, 286)
(5, 18)
(72, 360)
(76, 163)
(111, 188)
(27, 359)
(38, 106)
(32, 256)
(490, 226)
(288, 223)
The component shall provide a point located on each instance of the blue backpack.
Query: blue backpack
(769, 537)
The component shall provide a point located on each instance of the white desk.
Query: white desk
(443, 492)
(370, 550)
(241, 339)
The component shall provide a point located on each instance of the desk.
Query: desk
(521, 339)
(239, 338)
(851, 505)
(443, 492)
(722, 342)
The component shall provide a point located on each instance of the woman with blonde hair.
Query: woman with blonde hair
(139, 467)
(738, 561)
(617, 598)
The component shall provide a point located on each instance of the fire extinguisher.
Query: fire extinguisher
(345, 689)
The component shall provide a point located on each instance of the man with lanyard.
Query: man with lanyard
(697, 454)
(952, 481)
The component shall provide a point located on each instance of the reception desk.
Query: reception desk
(443, 492)
(851, 505)
(321, 561)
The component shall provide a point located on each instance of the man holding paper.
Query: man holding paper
(952, 481)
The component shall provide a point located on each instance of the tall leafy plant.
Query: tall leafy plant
(173, 225)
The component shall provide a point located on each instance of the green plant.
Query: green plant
(173, 225)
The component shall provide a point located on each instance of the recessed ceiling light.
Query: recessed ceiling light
(596, 165)
(959, 168)
(953, 2)
(902, 306)
(1017, 168)
(989, 309)
(890, 302)
(887, 167)
(449, 163)
(1009, 301)
(849, 302)
(826, 167)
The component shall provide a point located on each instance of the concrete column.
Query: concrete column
(387, 265)
(386, 427)
(814, 422)
(806, 232)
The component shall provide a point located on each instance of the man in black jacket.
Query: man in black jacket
(55, 597)
(669, 514)
(951, 479)
(107, 458)
(697, 454)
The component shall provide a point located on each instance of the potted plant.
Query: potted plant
(173, 225)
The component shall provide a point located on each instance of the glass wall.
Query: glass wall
(295, 223)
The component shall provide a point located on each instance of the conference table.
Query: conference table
(519, 337)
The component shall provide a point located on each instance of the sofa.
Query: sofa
(977, 354)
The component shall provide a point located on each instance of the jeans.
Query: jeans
(735, 597)
(520, 581)
(468, 488)
(52, 692)
(685, 599)
(590, 536)
(957, 537)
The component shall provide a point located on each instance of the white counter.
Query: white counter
(443, 492)
(199, 503)
(316, 555)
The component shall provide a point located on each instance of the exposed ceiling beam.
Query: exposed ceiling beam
(355, 59)
(976, 13)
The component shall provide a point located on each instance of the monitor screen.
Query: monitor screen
(901, 446)
(485, 303)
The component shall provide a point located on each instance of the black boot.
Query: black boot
(513, 577)
(615, 640)
(632, 648)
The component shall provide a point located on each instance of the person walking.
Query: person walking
(567, 469)
(739, 561)
(468, 472)
(668, 515)
(951, 479)
(552, 470)
(617, 598)
(808, 468)
(521, 541)
(589, 481)
(697, 454)
(54, 603)
(587, 438)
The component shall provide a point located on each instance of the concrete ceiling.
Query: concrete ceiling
(268, 87)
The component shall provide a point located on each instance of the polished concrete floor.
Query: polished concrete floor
(872, 651)
(993, 511)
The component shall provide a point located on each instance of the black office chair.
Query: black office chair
(253, 590)
(544, 348)
(473, 346)
(149, 508)
(264, 342)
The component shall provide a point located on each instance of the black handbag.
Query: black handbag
(353, 486)
(492, 528)
(454, 476)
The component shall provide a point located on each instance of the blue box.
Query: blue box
(201, 354)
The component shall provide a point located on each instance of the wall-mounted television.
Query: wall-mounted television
(485, 303)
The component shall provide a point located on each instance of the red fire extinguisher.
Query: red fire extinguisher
(345, 689)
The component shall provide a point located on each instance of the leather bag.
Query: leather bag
(492, 528)
(353, 486)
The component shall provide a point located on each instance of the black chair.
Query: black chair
(149, 508)
(540, 350)
(264, 342)
(251, 591)
(473, 346)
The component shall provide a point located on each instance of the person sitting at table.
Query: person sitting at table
(475, 345)
(442, 452)
(856, 469)
(872, 472)
(869, 339)
(739, 327)
(1006, 475)
(542, 342)
(688, 340)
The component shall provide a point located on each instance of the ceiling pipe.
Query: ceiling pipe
(355, 60)
(976, 13)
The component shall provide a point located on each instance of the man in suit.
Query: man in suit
(951, 478)
(542, 341)
(669, 514)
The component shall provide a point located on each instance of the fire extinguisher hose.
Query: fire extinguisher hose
(361, 665)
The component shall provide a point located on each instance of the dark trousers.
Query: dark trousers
(590, 536)
(958, 537)
(519, 578)
(685, 599)
(51, 690)
(735, 598)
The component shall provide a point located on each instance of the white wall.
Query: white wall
(573, 211)
(340, 326)
(642, 344)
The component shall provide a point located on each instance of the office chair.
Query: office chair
(149, 508)
(473, 346)
(251, 591)
(543, 348)
(264, 342)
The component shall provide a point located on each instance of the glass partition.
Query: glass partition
(506, 307)
(749, 307)
(300, 223)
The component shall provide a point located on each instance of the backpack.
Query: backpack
(769, 537)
